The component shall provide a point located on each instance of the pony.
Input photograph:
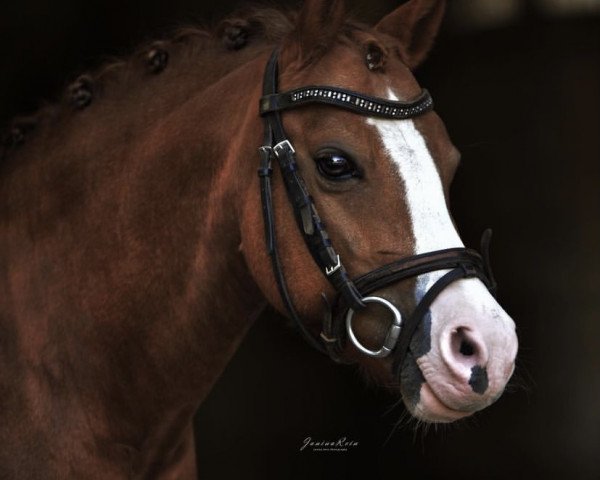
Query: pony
(133, 254)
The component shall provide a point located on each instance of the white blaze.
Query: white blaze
(432, 227)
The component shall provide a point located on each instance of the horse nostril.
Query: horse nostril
(466, 348)
(463, 343)
(465, 354)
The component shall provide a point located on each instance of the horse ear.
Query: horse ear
(317, 26)
(416, 24)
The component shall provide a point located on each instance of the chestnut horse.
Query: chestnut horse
(132, 242)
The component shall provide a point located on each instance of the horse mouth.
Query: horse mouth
(431, 408)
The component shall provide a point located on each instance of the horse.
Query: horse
(138, 244)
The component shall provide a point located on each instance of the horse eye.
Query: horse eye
(336, 166)
(374, 57)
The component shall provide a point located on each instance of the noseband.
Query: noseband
(352, 294)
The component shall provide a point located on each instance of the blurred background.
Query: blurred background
(518, 85)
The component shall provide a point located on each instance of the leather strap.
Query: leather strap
(308, 220)
(469, 260)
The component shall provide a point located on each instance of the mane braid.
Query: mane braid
(204, 47)
(213, 51)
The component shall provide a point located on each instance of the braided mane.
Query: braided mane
(212, 51)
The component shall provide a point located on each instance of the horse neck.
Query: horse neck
(142, 292)
(200, 159)
(221, 299)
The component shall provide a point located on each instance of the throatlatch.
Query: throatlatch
(352, 295)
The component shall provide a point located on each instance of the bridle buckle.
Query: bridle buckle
(283, 147)
(330, 270)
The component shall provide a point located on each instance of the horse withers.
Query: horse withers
(138, 244)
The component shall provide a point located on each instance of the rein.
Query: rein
(352, 294)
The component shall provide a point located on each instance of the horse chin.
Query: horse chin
(420, 398)
(431, 409)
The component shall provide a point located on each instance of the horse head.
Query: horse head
(363, 189)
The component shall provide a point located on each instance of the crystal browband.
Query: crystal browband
(348, 100)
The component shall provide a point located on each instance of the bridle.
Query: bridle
(352, 294)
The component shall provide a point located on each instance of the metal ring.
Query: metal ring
(390, 339)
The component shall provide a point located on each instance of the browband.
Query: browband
(347, 99)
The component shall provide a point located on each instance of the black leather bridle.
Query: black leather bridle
(352, 294)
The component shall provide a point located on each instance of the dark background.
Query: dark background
(520, 94)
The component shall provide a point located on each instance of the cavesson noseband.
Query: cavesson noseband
(352, 294)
